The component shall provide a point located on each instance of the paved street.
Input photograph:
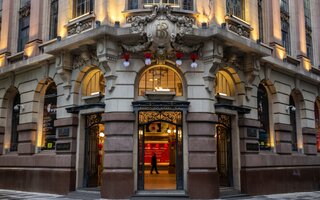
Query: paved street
(88, 195)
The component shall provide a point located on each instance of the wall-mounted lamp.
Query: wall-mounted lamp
(117, 24)
(18, 106)
(101, 134)
(290, 108)
(98, 23)
(59, 38)
(204, 25)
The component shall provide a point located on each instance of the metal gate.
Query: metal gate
(91, 150)
(224, 150)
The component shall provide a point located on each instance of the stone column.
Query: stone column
(35, 32)
(6, 27)
(283, 138)
(27, 138)
(274, 20)
(203, 178)
(118, 176)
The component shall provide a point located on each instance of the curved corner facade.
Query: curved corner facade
(224, 93)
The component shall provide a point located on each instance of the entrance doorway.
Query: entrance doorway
(160, 135)
(224, 150)
(94, 150)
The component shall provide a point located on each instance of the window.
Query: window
(94, 84)
(24, 23)
(53, 18)
(235, 7)
(132, 4)
(49, 115)
(223, 86)
(260, 17)
(307, 17)
(317, 123)
(160, 79)
(14, 123)
(263, 117)
(187, 5)
(293, 122)
(285, 26)
(169, 2)
(82, 7)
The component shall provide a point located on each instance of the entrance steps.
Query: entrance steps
(231, 193)
(160, 194)
(85, 194)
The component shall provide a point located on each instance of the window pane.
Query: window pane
(263, 117)
(235, 7)
(53, 19)
(160, 79)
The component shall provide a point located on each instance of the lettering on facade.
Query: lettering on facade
(252, 146)
(252, 132)
(63, 132)
(162, 30)
(63, 146)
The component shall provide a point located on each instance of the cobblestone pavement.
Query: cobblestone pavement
(17, 195)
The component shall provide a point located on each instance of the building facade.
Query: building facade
(224, 92)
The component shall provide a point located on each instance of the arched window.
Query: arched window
(263, 117)
(16, 106)
(160, 78)
(317, 123)
(94, 84)
(235, 7)
(49, 115)
(293, 122)
(223, 87)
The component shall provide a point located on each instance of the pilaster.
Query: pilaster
(117, 175)
(202, 175)
(66, 134)
(27, 138)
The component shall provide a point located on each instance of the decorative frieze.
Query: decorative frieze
(81, 24)
(238, 26)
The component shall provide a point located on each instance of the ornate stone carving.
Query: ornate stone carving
(141, 46)
(80, 27)
(251, 71)
(63, 67)
(84, 59)
(238, 26)
(139, 22)
(163, 34)
(25, 10)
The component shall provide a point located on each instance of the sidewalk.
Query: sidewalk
(89, 195)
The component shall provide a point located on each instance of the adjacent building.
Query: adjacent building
(225, 93)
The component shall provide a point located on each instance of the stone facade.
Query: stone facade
(221, 44)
